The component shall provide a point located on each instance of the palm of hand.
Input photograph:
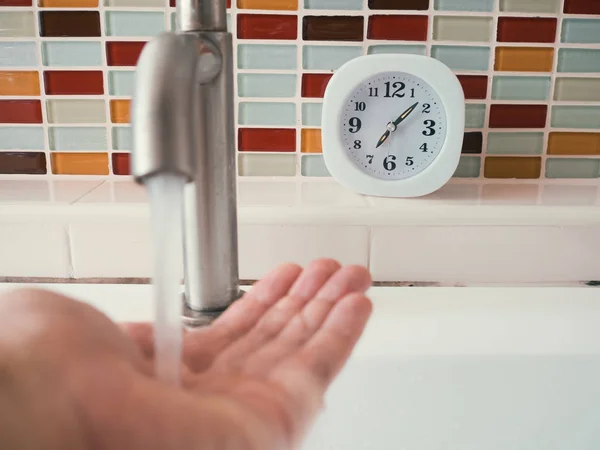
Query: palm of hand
(254, 380)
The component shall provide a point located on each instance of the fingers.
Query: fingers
(201, 346)
(279, 315)
(299, 329)
(323, 356)
(142, 335)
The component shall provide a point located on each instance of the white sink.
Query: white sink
(452, 369)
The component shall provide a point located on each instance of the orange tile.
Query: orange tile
(311, 140)
(19, 83)
(574, 144)
(119, 111)
(69, 3)
(282, 5)
(80, 163)
(524, 59)
(513, 167)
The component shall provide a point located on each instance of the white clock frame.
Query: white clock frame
(352, 74)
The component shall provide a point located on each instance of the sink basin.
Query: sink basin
(450, 368)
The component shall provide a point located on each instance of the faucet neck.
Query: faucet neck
(201, 15)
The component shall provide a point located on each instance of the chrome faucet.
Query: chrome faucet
(182, 116)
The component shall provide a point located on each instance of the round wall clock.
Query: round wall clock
(393, 125)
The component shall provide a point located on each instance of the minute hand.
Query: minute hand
(405, 114)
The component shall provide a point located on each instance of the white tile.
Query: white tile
(331, 195)
(111, 248)
(266, 193)
(263, 247)
(485, 254)
(24, 191)
(34, 249)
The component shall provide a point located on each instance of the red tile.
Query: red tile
(22, 163)
(20, 111)
(72, 82)
(70, 23)
(582, 6)
(123, 53)
(267, 140)
(475, 86)
(403, 28)
(314, 84)
(267, 26)
(526, 29)
(333, 28)
(16, 3)
(518, 116)
(121, 163)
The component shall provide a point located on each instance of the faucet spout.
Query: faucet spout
(182, 117)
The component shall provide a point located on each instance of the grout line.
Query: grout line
(69, 249)
(106, 96)
(298, 96)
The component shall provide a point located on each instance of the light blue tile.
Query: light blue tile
(474, 116)
(578, 60)
(21, 54)
(311, 114)
(572, 168)
(521, 88)
(334, 4)
(328, 57)
(462, 58)
(314, 166)
(464, 5)
(21, 138)
(468, 167)
(515, 143)
(65, 53)
(126, 23)
(265, 113)
(121, 82)
(403, 49)
(582, 117)
(276, 57)
(77, 138)
(122, 138)
(266, 85)
(581, 31)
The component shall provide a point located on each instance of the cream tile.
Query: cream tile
(34, 248)
(469, 29)
(570, 195)
(485, 254)
(111, 247)
(510, 194)
(263, 247)
(69, 191)
(331, 195)
(24, 191)
(17, 24)
(267, 193)
(116, 192)
(76, 111)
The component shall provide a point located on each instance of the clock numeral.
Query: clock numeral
(429, 131)
(426, 108)
(409, 161)
(412, 93)
(373, 92)
(357, 144)
(389, 164)
(424, 148)
(398, 85)
(355, 125)
(370, 158)
(361, 106)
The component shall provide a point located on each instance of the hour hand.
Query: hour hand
(383, 138)
(405, 114)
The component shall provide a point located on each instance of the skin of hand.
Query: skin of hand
(254, 380)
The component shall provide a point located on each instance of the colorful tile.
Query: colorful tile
(474, 115)
(462, 58)
(577, 89)
(513, 167)
(464, 5)
(20, 54)
(77, 138)
(397, 27)
(275, 165)
(123, 53)
(518, 116)
(21, 138)
(69, 3)
(311, 141)
(19, 83)
(314, 84)
(521, 88)
(126, 23)
(121, 82)
(574, 144)
(474, 86)
(578, 60)
(122, 138)
(120, 111)
(79, 163)
(583, 117)
(582, 7)
(71, 82)
(267, 114)
(264, 56)
(17, 24)
(456, 28)
(65, 53)
(266, 140)
(76, 111)
(264, 26)
(333, 28)
(473, 143)
(283, 5)
(334, 4)
(572, 168)
(19, 3)
(29, 163)
(135, 3)
(530, 6)
(314, 166)
(581, 31)
(328, 57)
(70, 23)
(20, 111)
(266, 85)
(525, 143)
(311, 114)
(397, 49)
(121, 163)
(527, 29)
(519, 59)
(468, 167)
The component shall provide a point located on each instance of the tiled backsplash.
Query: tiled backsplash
(530, 70)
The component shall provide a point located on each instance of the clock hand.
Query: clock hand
(405, 114)
(383, 138)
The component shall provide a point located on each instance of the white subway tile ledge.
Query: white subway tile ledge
(467, 233)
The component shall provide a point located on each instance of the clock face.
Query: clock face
(393, 125)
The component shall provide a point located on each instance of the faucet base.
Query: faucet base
(196, 319)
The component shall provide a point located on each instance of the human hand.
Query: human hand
(254, 380)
